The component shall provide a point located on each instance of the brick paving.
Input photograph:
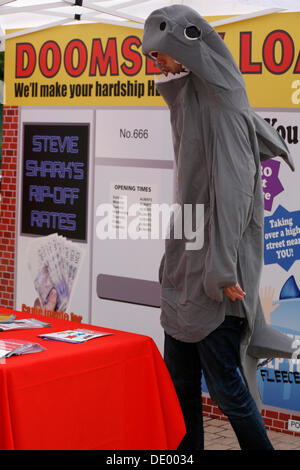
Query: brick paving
(218, 435)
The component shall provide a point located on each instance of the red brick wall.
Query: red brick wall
(8, 206)
(274, 420)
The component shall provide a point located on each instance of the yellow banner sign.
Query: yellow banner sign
(102, 64)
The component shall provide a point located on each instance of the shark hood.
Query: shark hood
(183, 34)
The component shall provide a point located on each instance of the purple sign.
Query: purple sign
(270, 182)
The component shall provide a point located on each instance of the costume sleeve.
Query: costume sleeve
(161, 269)
(231, 195)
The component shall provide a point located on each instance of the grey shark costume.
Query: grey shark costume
(219, 143)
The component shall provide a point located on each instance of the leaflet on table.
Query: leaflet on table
(7, 317)
(15, 347)
(23, 324)
(73, 336)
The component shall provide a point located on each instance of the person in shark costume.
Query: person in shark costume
(212, 294)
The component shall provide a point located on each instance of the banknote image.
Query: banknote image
(54, 263)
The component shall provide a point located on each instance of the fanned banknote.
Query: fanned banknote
(54, 264)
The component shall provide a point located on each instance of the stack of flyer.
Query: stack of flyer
(7, 317)
(16, 347)
(73, 336)
(22, 324)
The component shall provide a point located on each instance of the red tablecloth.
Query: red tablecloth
(109, 393)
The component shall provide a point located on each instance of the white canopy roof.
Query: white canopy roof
(35, 13)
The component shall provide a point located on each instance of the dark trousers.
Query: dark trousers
(217, 356)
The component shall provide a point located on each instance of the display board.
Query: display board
(133, 170)
(54, 223)
(102, 64)
(55, 177)
(279, 379)
(94, 80)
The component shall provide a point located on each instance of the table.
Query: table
(112, 392)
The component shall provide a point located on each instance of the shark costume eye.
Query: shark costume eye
(192, 33)
(162, 26)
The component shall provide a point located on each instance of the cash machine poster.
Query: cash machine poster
(55, 180)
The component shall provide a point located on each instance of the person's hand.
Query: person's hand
(234, 292)
(266, 298)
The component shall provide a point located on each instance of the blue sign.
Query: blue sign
(282, 238)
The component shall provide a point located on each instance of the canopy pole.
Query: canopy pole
(34, 30)
(108, 11)
(4, 2)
